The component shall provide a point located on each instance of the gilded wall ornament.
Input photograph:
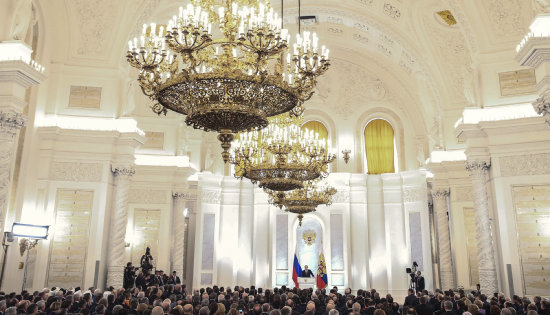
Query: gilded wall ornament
(309, 237)
(447, 16)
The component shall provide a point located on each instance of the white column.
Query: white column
(439, 196)
(227, 254)
(246, 232)
(15, 78)
(188, 267)
(179, 230)
(485, 253)
(261, 243)
(119, 218)
(396, 242)
(10, 123)
(376, 223)
(359, 246)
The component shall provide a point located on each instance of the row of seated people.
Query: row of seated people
(176, 300)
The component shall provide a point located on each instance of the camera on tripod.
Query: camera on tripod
(412, 273)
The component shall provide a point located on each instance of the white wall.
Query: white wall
(376, 232)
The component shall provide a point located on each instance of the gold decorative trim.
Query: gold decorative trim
(447, 16)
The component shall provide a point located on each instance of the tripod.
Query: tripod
(412, 282)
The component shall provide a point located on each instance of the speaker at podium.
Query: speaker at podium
(306, 283)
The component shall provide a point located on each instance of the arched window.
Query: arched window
(380, 147)
(317, 127)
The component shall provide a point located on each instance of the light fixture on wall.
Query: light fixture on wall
(30, 234)
(346, 155)
(230, 80)
(282, 156)
(304, 200)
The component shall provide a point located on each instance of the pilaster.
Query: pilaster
(179, 229)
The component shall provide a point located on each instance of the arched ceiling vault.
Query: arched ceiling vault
(396, 41)
(362, 41)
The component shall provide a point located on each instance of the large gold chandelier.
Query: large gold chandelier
(303, 200)
(282, 156)
(231, 78)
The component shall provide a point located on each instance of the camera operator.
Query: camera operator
(146, 261)
(420, 284)
(129, 276)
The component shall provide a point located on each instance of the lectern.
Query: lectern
(306, 283)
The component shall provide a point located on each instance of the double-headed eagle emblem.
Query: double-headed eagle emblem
(309, 237)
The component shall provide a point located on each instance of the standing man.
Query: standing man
(174, 279)
(129, 276)
(146, 261)
(420, 283)
(306, 273)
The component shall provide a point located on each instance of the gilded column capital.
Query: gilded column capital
(542, 106)
(180, 195)
(440, 193)
(121, 170)
(11, 122)
(478, 167)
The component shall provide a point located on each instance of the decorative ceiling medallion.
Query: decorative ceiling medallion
(309, 237)
(447, 16)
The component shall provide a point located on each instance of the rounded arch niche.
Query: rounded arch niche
(310, 241)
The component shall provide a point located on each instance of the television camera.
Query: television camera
(412, 273)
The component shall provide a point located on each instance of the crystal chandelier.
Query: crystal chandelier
(231, 78)
(282, 156)
(304, 200)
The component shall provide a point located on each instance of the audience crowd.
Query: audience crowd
(173, 299)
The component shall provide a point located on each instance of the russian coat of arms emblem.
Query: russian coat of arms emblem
(309, 237)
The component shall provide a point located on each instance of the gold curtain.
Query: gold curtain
(317, 127)
(379, 147)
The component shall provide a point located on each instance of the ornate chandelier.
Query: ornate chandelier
(304, 200)
(282, 156)
(229, 79)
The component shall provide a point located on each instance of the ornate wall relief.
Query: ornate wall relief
(147, 196)
(531, 164)
(463, 194)
(86, 97)
(517, 82)
(76, 171)
(210, 196)
(95, 19)
(153, 140)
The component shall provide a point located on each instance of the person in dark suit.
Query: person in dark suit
(306, 273)
(424, 308)
(537, 299)
(545, 307)
(420, 283)
(371, 307)
(448, 307)
(174, 279)
(411, 299)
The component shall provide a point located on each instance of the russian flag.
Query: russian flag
(322, 280)
(296, 268)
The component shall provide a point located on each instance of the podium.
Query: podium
(306, 283)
